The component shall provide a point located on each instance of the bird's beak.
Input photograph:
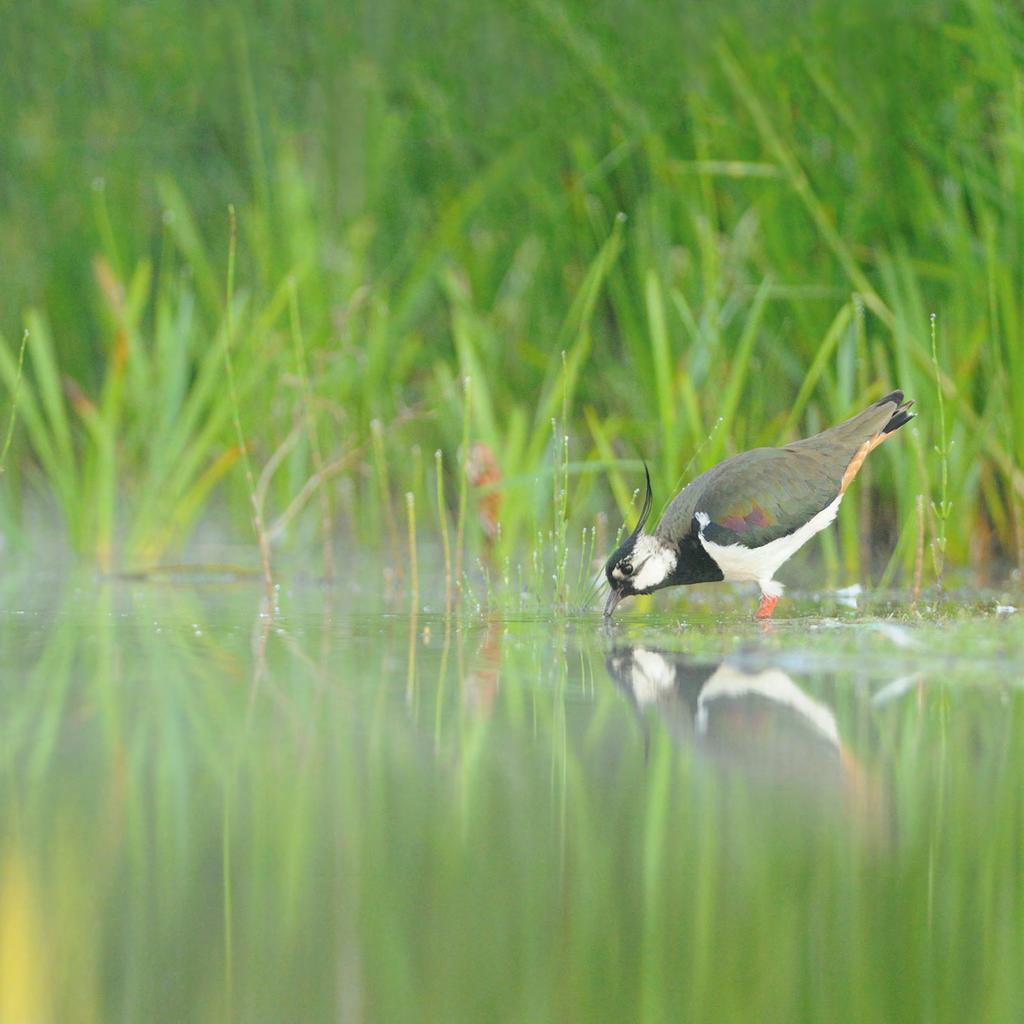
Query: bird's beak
(614, 597)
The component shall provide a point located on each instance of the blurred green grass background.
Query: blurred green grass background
(680, 230)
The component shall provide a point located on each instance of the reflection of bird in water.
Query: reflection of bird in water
(480, 686)
(757, 719)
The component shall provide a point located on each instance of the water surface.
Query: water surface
(350, 814)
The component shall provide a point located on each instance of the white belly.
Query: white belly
(739, 563)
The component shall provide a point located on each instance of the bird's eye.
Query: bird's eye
(626, 567)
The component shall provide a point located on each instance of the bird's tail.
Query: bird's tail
(878, 421)
(900, 415)
(871, 426)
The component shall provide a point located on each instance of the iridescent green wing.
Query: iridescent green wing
(755, 498)
(764, 494)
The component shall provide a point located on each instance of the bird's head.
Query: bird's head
(641, 563)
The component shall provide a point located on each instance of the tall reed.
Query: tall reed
(257, 510)
(9, 434)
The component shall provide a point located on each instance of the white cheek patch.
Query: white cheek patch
(656, 563)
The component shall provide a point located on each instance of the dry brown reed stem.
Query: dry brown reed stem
(310, 487)
(270, 467)
(325, 473)
(257, 514)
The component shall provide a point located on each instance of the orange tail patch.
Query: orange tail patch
(858, 459)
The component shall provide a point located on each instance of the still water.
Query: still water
(348, 813)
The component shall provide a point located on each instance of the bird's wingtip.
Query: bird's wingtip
(894, 397)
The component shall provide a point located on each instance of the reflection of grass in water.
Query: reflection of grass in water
(501, 847)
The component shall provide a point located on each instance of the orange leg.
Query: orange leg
(766, 607)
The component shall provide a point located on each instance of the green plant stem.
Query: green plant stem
(414, 595)
(944, 506)
(257, 511)
(313, 433)
(442, 521)
(460, 522)
(9, 436)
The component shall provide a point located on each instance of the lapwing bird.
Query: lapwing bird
(743, 518)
